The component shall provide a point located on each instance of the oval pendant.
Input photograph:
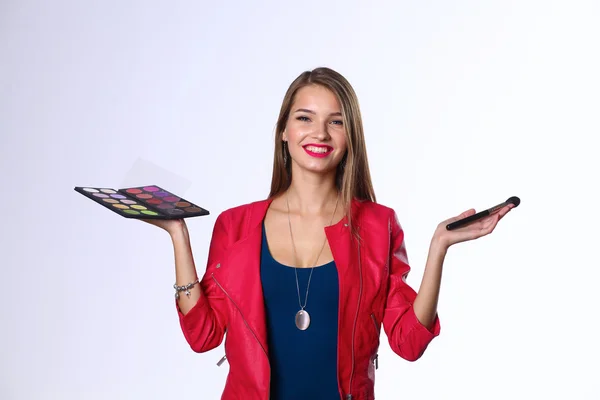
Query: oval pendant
(302, 320)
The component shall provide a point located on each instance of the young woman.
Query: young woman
(302, 282)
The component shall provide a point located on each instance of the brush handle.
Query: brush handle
(467, 220)
(515, 201)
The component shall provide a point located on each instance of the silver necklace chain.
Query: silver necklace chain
(296, 257)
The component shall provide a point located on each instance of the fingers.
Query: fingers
(483, 227)
(467, 213)
(505, 211)
(462, 215)
(491, 224)
(472, 211)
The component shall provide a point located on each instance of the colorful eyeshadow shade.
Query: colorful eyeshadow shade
(150, 202)
(131, 212)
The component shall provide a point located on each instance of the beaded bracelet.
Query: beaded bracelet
(185, 288)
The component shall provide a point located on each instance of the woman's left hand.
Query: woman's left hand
(475, 230)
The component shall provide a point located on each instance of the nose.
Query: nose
(322, 132)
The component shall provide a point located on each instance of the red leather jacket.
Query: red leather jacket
(373, 291)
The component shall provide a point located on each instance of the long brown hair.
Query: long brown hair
(353, 178)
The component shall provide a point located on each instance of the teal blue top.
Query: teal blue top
(303, 363)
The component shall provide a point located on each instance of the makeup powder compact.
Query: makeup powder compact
(144, 202)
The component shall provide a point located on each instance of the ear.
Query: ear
(284, 136)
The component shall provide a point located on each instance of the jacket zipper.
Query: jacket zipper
(360, 280)
(376, 359)
(222, 360)
(374, 322)
(245, 323)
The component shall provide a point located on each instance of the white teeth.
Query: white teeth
(315, 149)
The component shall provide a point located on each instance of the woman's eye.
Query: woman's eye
(302, 118)
(338, 122)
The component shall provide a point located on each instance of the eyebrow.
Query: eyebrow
(306, 110)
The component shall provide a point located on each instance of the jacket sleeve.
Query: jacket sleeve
(407, 336)
(204, 325)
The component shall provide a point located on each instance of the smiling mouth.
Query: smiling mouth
(319, 149)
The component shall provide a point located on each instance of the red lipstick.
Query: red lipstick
(318, 150)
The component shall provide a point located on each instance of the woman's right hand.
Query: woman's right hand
(173, 227)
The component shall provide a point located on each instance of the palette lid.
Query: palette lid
(144, 172)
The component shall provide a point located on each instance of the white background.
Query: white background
(465, 104)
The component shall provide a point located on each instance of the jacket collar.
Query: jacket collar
(259, 209)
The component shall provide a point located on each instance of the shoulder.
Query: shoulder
(378, 217)
(248, 212)
(370, 210)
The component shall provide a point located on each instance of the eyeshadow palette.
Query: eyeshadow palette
(144, 202)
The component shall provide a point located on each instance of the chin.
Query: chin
(318, 168)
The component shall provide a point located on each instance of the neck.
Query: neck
(311, 195)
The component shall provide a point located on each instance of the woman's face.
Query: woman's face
(315, 132)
